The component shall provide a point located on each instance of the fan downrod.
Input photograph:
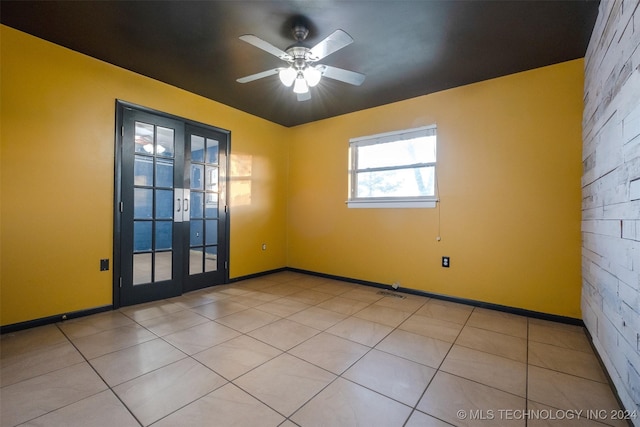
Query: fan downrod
(300, 32)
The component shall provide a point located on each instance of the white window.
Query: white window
(394, 169)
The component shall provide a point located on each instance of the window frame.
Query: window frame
(390, 202)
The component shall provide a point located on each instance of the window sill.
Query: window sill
(396, 203)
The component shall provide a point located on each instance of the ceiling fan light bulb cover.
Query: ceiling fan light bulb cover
(287, 76)
(300, 86)
(312, 76)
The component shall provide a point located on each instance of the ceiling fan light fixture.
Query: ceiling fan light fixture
(300, 85)
(312, 76)
(287, 76)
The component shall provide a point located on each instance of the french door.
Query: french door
(171, 224)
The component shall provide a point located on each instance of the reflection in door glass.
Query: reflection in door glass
(195, 261)
(164, 173)
(212, 178)
(164, 144)
(196, 205)
(212, 231)
(143, 138)
(211, 206)
(212, 151)
(211, 258)
(153, 198)
(197, 177)
(164, 235)
(141, 268)
(164, 204)
(143, 170)
(197, 149)
(196, 233)
(204, 200)
(163, 266)
(142, 203)
(141, 236)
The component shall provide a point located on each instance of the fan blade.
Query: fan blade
(266, 46)
(334, 42)
(342, 75)
(257, 76)
(304, 96)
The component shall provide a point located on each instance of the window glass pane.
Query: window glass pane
(211, 258)
(195, 238)
(416, 182)
(143, 138)
(212, 178)
(141, 268)
(142, 203)
(164, 146)
(197, 148)
(164, 173)
(211, 205)
(163, 267)
(196, 205)
(143, 170)
(212, 151)
(397, 153)
(164, 204)
(141, 236)
(195, 260)
(197, 177)
(164, 233)
(212, 232)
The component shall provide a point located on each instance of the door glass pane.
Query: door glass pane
(141, 236)
(142, 203)
(165, 142)
(211, 206)
(143, 138)
(196, 233)
(211, 258)
(141, 269)
(197, 148)
(212, 151)
(196, 205)
(164, 173)
(163, 267)
(212, 232)
(143, 170)
(164, 235)
(164, 204)
(212, 178)
(195, 260)
(197, 177)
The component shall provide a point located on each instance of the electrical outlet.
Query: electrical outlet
(104, 264)
(445, 261)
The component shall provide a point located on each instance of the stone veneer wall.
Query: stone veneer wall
(611, 195)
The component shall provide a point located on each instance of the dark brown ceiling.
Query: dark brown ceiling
(405, 48)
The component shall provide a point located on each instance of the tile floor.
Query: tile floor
(295, 350)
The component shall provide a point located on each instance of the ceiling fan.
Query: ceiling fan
(302, 71)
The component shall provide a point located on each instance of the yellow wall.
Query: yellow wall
(57, 154)
(509, 177)
(509, 167)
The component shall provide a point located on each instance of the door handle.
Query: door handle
(178, 205)
(186, 205)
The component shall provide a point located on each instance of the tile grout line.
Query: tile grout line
(99, 376)
(352, 364)
(415, 408)
(370, 304)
